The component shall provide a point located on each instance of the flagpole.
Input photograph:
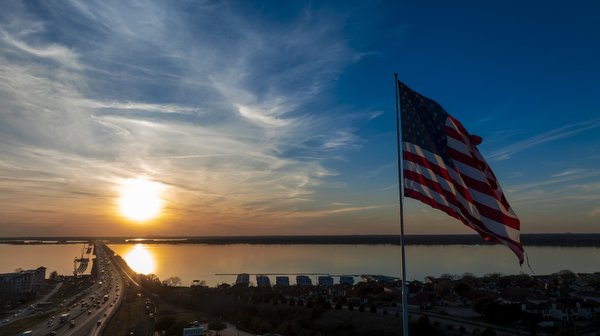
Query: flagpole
(401, 201)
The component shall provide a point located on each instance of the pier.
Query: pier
(80, 264)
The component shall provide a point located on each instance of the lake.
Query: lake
(202, 262)
(55, 257)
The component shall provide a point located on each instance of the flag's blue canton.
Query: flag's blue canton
(423, 123)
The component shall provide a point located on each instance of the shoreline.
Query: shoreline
(544, 239)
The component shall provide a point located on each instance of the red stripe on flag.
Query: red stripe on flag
(483, 209)
(473, 223)
(468, 217)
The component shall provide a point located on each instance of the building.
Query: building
(346, 280)
(303, 280)
(325, 280)
(263, 281)
(282, 281)
(23, 282)
(243, 279)
(193, 331)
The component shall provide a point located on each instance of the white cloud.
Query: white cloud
(380, 169)
(143, 91)
(595, 212)
(57, 53)
(569, 172)
(552, 135)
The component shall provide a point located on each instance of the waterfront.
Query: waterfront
(55, 257)
(203, 261)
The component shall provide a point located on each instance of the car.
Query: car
(98, 322)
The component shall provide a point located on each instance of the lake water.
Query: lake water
(202, 262)
(55, 257)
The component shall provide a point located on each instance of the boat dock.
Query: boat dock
(306, 279)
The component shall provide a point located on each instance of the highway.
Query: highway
(88, 316)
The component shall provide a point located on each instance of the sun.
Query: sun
(140, 259)
(140, 199)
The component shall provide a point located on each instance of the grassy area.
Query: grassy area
(130, 317)
(133, 315)
(70, 288)
(21, 325)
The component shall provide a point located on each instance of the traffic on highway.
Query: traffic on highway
(88, 315)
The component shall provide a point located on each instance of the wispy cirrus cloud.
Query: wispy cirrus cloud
(595, 212)
(380, 169)
(330, 212)
(54, 52)
(552, 135)
(223, 122)
(570, 172)
(568, 192)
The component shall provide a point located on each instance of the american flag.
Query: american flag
(443, 168)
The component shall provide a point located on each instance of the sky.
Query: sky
(278, 117)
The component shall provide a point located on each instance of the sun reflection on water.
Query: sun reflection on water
(140, 259)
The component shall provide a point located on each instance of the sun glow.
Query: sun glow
(140, 260)
(140, 199)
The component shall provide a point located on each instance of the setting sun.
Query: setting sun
(140, 260)
(140, 199)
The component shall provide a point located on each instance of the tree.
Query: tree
(488, 332)
(423, 327)
(152, 278)
(200, 283)
(217, 326)
(462, 287)
(423, 321)
(164, 323)
(53, 275)
(172, 281)
(480, 303)
(449, 276)
(442, 286)
(501, 313)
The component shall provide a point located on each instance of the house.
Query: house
(563, 310)
(337, 291)
(537, 307)
(588, 296)
(422, 300)
(587, 310)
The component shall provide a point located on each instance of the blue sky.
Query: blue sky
(278, 118)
